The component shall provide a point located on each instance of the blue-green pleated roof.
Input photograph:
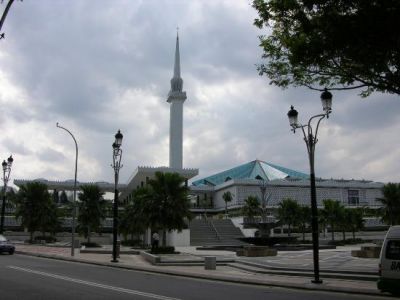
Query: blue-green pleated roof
(256, 169)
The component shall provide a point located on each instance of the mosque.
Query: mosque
(241, 181)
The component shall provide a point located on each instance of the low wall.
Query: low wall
(178, 239)
(104, 239)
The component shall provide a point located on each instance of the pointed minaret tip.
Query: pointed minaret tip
(176, 81)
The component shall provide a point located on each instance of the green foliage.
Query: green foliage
(354, 219)
(251, 207)
(63, 198)
(35, 208)
(341, 44)
(91, 245)
(47, 239)
(165, 203)
(227, 196)
(391, 203)
(333, 214)
(133, 220)
(164, 250)
(55, 196)
(304, 219)
(92, 210)
(288, 212)
(132, 243)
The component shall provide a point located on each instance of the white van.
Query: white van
(389, 264)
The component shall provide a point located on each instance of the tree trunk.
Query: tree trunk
(354, 235)
(288, 229)
(164, 240)
(344, 235)
(333, 233)
(88, 234)
(304, 234)
(31, 236)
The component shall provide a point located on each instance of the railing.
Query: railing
(213, 227)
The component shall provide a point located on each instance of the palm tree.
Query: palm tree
(288, 212)
(304, 219)
(33, 207)
(227, 196)
(332, 213)
(391, 203)
(251, 207)
(92, 210)
(133, 220)
(167, 204)
(355, 221)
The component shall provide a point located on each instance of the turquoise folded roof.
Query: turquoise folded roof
(256, 169)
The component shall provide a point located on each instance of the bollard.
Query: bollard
(77, 244)
(210, 262)
(118, 247)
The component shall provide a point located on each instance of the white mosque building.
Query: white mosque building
(242, 181)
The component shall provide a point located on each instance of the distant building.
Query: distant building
(245, 180)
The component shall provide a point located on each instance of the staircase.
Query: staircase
(214, 232)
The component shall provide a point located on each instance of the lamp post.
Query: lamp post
(6, 176)
(310, 138)
(263, 188)
(73, 203)
(117, 155)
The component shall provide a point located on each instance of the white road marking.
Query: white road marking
(103, 286)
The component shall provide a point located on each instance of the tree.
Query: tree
(251, 207)
(355, 220)
(391, 203)
(56, 198)
(34, 208)
(304, 219)
(227, 196)
(167, 204)
(332, 213)
(92, 210)
(335, 44)
(133, 220)
(288, 212)
(63, 198)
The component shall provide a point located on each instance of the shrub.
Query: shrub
(164, 250)
(132, 243)
(91, 245)
(47, 239)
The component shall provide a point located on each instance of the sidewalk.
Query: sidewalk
(222, 273)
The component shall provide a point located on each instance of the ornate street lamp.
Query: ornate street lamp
(263, 189)
(310, 139)
(6, 176)
(117, 155)
(73, 203)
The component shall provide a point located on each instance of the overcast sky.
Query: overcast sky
(99, 66)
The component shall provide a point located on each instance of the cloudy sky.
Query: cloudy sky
(99, 66)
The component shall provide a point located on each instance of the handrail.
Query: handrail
(215, 229)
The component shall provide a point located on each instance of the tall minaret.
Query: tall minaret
(176, 97)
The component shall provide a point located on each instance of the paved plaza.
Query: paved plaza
(336, 260)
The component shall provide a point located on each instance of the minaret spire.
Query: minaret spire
(176, 97)
(176, 81)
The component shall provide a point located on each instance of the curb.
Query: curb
(222, 278)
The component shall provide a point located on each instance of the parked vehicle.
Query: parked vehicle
(389, 262)
(6, 246)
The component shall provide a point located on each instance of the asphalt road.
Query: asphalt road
(25, 277)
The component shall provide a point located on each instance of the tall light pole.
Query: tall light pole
(117, 155)
(6, 176)
(73, 203)
(263, 188)
(310, 139)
